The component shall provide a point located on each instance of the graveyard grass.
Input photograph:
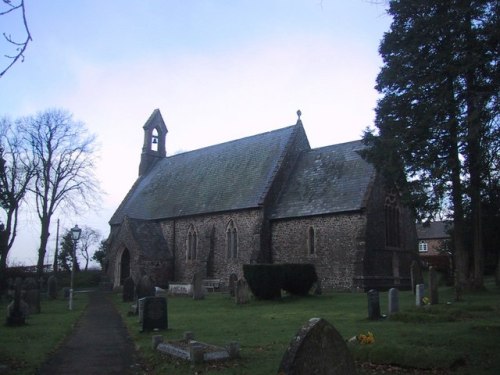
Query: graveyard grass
(23, 349)
(460, 337)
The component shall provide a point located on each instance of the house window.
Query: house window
(191, 244)
(391, 211)
(232, 241)
(311, 241)
(423, 247)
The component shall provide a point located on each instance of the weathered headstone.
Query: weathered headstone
(198, 292)
(31, 295)
(393, 302)
(416, 275)
(242, 292)
(52, 287)
(419, 295)
(17, 311)
(373, 304)
(145, 287)
(433, 286)
(232, 284)
(155, 314)
(317, 288)
(128, 290)
(317, 349)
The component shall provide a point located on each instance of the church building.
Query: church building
(267, 198)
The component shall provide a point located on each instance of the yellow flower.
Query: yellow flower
(366, 339)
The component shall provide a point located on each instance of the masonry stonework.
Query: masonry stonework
(337, 247)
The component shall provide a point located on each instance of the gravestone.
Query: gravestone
(145, 287)
(317, 349)
(17, 311)
(373, 304)
(393, 303)
(198, 292)
(419, 295)
(52, 287)
(242, 292)
(31, 295)
(232, 284)
(128, 290)
(416, 275)
(317, 288)
(155, 314)
(433, 286)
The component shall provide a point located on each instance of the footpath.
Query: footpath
(99, 344)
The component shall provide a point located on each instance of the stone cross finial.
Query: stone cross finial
(299, 113)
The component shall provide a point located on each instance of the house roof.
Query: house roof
(326, 180)
(229, 176)
(433, 230)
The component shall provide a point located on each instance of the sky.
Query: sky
(218, 70)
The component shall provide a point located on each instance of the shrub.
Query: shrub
(299, 278)
(265, 280)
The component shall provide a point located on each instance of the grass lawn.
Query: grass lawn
(458, 338)
(23, 349)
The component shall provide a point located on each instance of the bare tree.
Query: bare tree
(89, 238)
(64, 154)
(10, 8)
(16, 174)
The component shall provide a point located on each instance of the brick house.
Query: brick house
(260, 199)
(434, 244)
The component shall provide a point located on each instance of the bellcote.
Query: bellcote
(153, 149)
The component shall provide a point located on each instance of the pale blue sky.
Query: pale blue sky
(217, 70)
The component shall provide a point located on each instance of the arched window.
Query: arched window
(154, 140)
(311, 241)
(191, 244)
(391, 211)
(232, 240)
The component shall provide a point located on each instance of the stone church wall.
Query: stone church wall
(338, 249)
(211, 234)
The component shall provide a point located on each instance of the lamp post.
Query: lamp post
(75, 235)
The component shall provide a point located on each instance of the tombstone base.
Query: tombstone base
(16, 320)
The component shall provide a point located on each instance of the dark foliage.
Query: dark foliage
(265, 280)
(299, 278)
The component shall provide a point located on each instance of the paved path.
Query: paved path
(99, 344)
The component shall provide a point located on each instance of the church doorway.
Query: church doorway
(124, 266)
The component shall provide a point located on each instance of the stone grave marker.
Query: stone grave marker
(18, 310)
(232, 284)
(419, 295)
(242, 292)
(373, 305)
(433, 286)
(155, 314)
(415, 275)
(317, 349)
(198, 292)
(145, 287)
(52, 287)
(32, 295)
(128, 290)
(393, 302)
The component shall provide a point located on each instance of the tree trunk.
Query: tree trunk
(44, 238)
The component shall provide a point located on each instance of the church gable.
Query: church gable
(326, 180)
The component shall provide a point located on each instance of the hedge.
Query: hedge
(267, 280)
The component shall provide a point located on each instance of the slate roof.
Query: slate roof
(326, 180)
(149, 238)
(229, 176)
(434, 230)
